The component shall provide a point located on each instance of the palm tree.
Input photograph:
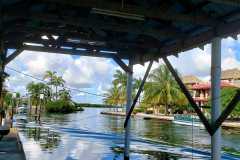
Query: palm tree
(120, 83)
(35, 89)
(120, 77)
(112, 96)
(49, 75)
(7, 99)
(120, 80)
(18, 99)
(65, 95)
(162, 89)
(136, 85)
(58, 81)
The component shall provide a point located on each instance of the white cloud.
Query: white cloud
(198, 62)
(78, 72)
(80, 94)
(139, 69)
(96, 74)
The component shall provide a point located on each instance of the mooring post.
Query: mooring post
(128, 106)
(215, 94)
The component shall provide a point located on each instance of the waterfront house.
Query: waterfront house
(201, 90)
(232, 76)
(190, 80)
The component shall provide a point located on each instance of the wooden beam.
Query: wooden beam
(227, 2)
(155, 12)
(90, 53)
(188, 96)
(191, 42)
(226, 112)
(21, 33)
(12, 56)
(64, 44)
(137, 28)
(121, 64)
(140, 89)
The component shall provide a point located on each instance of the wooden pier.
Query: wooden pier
(11, 147)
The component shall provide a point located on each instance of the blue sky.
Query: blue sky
(95, 74)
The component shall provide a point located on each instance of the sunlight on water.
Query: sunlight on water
(89, 135)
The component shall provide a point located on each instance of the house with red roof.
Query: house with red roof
(202, 90)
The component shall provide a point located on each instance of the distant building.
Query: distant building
(201, 90)
(190, 80)
(232, 76)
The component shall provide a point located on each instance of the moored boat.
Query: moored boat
(189, 120)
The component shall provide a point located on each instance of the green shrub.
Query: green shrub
(138, 110)
(60, 106)
(226, 96)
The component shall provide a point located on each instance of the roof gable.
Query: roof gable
(230, 74)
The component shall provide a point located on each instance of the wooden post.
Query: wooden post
(216, 98)
(2, 67)
(128, 107)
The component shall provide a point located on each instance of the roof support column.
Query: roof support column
(216, 99)
(2, 76)
(128, 106)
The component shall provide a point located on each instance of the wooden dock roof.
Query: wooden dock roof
(136, 29)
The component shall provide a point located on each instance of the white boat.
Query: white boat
(22, 109)
(20, 119)
(189, 120)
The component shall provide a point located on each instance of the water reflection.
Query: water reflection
(47, 139)
(89, 135)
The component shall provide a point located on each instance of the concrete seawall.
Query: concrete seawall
(227, 124)
(143, 115)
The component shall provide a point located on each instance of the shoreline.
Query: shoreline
(227, 124)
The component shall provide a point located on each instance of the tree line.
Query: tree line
(50, 90)
(56, 98)
(161, 92)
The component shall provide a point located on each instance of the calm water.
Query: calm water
(89, 135)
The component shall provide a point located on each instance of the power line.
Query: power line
(44, 81)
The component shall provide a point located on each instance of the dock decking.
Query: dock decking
(11, 147)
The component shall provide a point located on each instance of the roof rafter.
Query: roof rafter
(92, 53)
(112, 45)
(227, 2)
(134, 28)
(138, 10)
(12, 56)
(203, 38)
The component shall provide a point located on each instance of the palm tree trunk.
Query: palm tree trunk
(36, 108)
(30, 105)
(166, 109)
(56, 93)
(154, 109)
(51, 91)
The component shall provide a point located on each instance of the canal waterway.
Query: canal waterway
(90, 135)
